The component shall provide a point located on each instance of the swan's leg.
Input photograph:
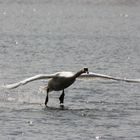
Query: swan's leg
(47, 97)
(61, 98)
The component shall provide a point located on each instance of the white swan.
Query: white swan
(61, 80)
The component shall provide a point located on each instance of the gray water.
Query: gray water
(47, 36)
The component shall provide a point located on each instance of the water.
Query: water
(49, 36)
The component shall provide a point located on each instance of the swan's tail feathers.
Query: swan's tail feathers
(94, 76)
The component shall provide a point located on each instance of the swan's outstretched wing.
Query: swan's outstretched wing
(25, 81)
(94, 76)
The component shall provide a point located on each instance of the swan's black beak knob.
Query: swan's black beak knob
(86, 70)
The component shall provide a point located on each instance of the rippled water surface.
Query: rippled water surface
(49, 36)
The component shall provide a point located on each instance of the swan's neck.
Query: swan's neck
(78, 74)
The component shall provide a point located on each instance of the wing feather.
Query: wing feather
(94, 76)
(30, 79)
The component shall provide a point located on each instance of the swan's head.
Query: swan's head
(85, 70)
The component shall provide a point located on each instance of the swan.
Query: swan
(62, 80)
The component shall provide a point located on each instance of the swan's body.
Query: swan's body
(61, 80)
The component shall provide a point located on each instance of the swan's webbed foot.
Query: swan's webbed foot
(61, 98)
(62, 106)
